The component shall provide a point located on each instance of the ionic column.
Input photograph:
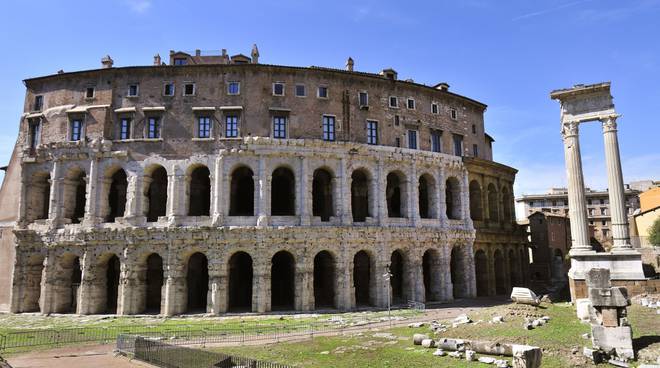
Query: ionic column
(48, 281)
(441, 197)
(177, 195)
(620, 233)
(343, 182)
(303, 198)
(465, 199)
(218, 188)
(263, 202)
(131, 288)
(91, 217)
(88, 290)
(577, 204)
(55, 195)
(381, 196)
(413, 195)
(134, 197)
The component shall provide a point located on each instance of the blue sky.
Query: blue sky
(507, 54)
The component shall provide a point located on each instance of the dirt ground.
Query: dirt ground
(85, 356)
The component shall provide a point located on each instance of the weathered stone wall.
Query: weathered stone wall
(7, 255)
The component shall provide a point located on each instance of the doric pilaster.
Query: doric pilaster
(219, 186)
(263, 197)
(91, 210)
(54, 208)
(413, 195)
(380, 195)
(303, 199)
(441, 196)
(343, 184)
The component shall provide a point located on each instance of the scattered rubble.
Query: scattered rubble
(470, 355)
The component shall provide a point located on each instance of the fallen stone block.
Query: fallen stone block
(525, 356)
(618, 363)
(456, 354)
(524, 296)
(439, 352)
(609, 297)
(595, 355)
(498, 319)
(486, 360)
(583, 309)
(470, 355)
(618, 339)
(428, 343)
(462, 319)
(501, 363)
(416, 325)
(418, 338)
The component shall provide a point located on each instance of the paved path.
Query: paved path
(85, 356)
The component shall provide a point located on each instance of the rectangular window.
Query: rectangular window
(125, 129)
(458, 145)
(38, 103)
(364, 99)
(436, 141)
(189, 89)
(133, 90)
(474, 129)
(411, 103)
(328, 128)
(278, 89)
(396, 120)
(394, 101)
(412, 139)
(475, 150)
(372, 132)
(453, 114)
(603, 223)
(76, 130)
(180, 61)
(234, 88)
(34, 133)
(203, 127)
(168, 89)
(279, 127)
(153, 128)
(231, 126)
(322, 92)
(434, 108)
(300, 90)
(89, 92)
(397, 142)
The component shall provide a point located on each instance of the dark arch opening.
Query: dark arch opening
(476, 209)
(500, 273)
(157, 194)
(117, 195)
(197, 279)
(240, 282)
(282, 194)
(506, 205)
(71, 265)
(424, 198)
(452, 199)
(514, 268)
(492, 203)
(322, 195)
(359, 196)
(32, 287)
(362, 278)
(241, 200)
(324, 280)
(457, 269)
(39, 197)
(112, 284)
(481, 272)
(431, 275)
(80, 198)
(393, 193)
(154, 283)
(396, 278)
(282, 284)
(200, 192)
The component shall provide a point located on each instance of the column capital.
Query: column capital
(569, 129)
(609, 123)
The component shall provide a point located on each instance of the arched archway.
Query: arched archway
(283, 193)
(154, 283)
(458, 271)
(322, 202)
(117, 195)
(481, 272)
(453, 198)
(362, 278)
(431, 274)
(282, 281)
(155, 182)
(33, 270)
(397, 269)
(427, 202)
(112, 272)
(324, 280)
(360, 196)
(500, 273)
(38, 197)
(240, 283)
(199, 194)
(67, 291)
(241, 199)
(197, 280)
(395, 194)
(476, 208)
(492, 203)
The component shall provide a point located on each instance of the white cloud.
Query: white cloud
(138, 6)
(549, 10)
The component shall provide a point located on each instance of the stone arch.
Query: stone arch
(459, 272)
(199, 191)
(282, 281)
(397, 277)
(395, 194)
(283, 192)
(476, 206)
(66, 293)
(324, 280)
(507, 213)
(427, 197)
(116, 195)
(239, 290)
(241, 197)
(453, 198)
(500, 273)
(74, 195)
(154, 283)
(32, 276)
(481, 272)
(322, 194)
(431, 271)
(492, 202)
(360, 195)
(155, 196)
(363, 278)
(197, 282)
(38, 197)
(111, 267)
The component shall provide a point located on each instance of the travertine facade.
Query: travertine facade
(220, 184)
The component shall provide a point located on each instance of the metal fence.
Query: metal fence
(166, 355)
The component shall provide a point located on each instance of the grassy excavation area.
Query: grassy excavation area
(561, 340)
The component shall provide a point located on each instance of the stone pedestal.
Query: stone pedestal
(624, 267)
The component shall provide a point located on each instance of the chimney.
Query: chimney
(198, 52)
(225, 58)
(255, 54)
(107, 62)
(349, 64)
(442, 87)
(157, 59)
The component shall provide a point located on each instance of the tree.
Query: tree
(654, 232)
